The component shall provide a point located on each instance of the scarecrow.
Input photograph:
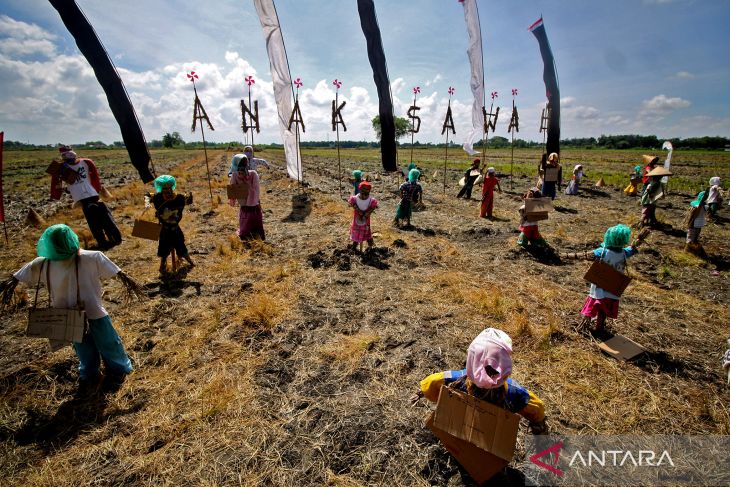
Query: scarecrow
(487, 377)
(410, 193)
(82, 178)
(74, 275)
(169, 208)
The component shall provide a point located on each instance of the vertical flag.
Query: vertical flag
(376, 55)
(281, 79)
(93, 50)
(2, 195)
(552, 91)
(476, 59)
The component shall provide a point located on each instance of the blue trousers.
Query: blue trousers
(102, 343)
(548, 189)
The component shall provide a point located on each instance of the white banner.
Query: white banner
(476, 59)
(281, 79)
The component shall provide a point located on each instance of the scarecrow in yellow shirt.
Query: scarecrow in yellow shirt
(486, 377)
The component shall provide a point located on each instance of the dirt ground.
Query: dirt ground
(293, 361)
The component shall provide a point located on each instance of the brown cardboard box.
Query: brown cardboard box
(237, 191)
(54, 168)
(481, 436)
(551, 174)
(146, 229)
(538, 205)
(621, 348)
(606, 277)
(536, 217)
(68, 325)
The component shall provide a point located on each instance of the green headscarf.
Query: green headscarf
(637, 168)
(412, 165)
(617, 237)
(58, 242)
(357, 174)
(413, 175)
(698, 200)
(163, 181)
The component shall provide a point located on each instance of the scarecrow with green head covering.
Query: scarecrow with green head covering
(695, 220)
(410, 194)
(614, 251)
(355, 180)
(74, 277)
(169, 207)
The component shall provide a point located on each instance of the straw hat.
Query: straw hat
(600, 183)
(659, 171)
(650, 159)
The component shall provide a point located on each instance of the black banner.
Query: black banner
(376, 55)
(93, 50)
(552, 91)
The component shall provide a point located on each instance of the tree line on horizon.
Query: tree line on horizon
(629, 141)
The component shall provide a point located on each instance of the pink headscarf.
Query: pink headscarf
(491, 347)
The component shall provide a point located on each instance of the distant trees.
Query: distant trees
(402, 127)
(171, 140)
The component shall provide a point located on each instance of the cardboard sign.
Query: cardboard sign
(478, 422)
(621, 348)
(551, 174)
(237, 191)
(536, 217)
(67, 325)
(480, 464)
(146, 229)
(54, 168)
(538, 205)
(606, 277)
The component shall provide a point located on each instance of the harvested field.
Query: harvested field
(293, 361)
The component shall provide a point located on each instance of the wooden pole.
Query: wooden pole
(300, 173)
(446, 157)
(412, 133)
(202, 133)
(337, 128)
(512, 163)
(249, 107)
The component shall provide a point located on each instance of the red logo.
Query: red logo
(549, 451)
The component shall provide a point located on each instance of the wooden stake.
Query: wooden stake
(339, 161)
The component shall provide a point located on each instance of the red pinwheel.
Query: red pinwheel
(250, 81)
(337, 83)
(514, 91)
(494, 95)
(416, 90)
(451, 90)
(298, 83)
(192, 76)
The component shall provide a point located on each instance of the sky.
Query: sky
(650, 67)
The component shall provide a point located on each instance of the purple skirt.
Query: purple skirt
(251, 223)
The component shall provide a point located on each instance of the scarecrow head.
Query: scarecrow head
(58, 242)
(489, 359)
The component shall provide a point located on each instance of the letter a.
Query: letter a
(296, 116)
(448, 122)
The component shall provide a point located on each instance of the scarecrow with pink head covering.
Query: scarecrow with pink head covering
(487, 377)
(363, 205)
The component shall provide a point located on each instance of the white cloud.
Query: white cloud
(435, 80)
(20, 39)
(684, 75)
(663, 103)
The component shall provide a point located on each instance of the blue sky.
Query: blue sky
(625, 66)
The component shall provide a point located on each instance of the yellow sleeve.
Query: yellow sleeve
(534, 411)
(431, 386)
